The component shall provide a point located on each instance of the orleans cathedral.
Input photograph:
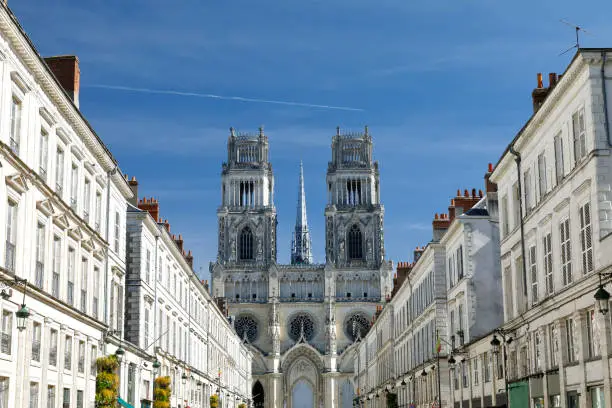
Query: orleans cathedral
(302, 320)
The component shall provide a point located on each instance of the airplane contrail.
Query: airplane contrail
(213, 96)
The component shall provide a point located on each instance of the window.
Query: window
(528, 192)
(117, 235)
(81, 362)
(36, 336)
(559, 167)
(15, 124)
(533, 269)
(51, 396)
(11, 235)
(120, 301)
(4, 392)
(40, 256)
(131, 385)
(98, 210)
(246, 244)
(516, 205)
(355, 247)
(464, 374)
(548, 268)
(451, 277)
(537, 353)
(86, 199)
(70, 282)
(96, 282)
(43, 157)
(542, 174)
(569, 339)
(74, 186)
(579, 135)
(66, 400)
(505, 226)
(475, 365)
(68, 353)
(146, 328)
(566, 251)
(93, 357)
(53, 348)
(59, 171)
(160, 271)
(592, 340)
(84, 273)
(57, 262)
(33, 395)
(79, 403)
(586, 242)
(148, 267)
(6, 334)
(486, 367)
(460, 262)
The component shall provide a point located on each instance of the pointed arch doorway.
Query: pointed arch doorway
(302, 395)
(258, 395)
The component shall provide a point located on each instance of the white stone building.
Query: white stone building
(556, 222)
(171, 314)
(63, 202)
(451, 293)
(300, 320)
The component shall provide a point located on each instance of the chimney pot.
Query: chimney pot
(465, 193)
(540, 82)
(473, 192)
(490, 167)
(480, 193)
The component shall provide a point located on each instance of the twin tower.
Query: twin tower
(353, 215)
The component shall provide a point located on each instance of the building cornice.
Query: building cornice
(25, 50)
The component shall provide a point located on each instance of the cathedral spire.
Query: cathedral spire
(300, 246)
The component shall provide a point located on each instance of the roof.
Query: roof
(520, 132)
(477, 212)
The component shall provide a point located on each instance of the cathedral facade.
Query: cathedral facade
(301, 320)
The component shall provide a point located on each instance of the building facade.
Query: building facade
(554, 183)
(63, 257)
(300, 320)
(446, 300)
(171, 315)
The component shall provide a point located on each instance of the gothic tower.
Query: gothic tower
(354, 215)
(247, 216)
(301, 245)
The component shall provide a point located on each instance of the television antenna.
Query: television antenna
(578, 29)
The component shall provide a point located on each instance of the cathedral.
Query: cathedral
(302, 320)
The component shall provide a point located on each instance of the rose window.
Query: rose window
(246, 325)
(357, 326)
(301, 323)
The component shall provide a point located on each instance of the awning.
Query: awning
(123, 403)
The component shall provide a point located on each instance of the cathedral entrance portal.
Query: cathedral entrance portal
(258, 395)
(302, 395)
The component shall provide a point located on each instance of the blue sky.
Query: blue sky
(444, 86)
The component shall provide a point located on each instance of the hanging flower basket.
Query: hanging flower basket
(214, 401)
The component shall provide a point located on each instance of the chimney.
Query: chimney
(490, 187)
(151, 205)
(189, 259)
(440, 224)
(540, 93)
(179, 242)
(418, 251)
(133, 183)
(66, 70)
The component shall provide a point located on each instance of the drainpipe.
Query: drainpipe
(605, 97)
(106, 233)
(517, 156)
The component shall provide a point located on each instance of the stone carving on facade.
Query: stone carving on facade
(233, 248)
(330, 322)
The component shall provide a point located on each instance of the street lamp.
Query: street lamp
(184, 378)
(602, 297)
(495, 348)
(423, 373)
(23, 313)
(119, 353)
(22, 317)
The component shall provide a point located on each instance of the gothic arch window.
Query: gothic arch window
(246, 244)
(302, 322)
(356, 325)
(246, 326)
(355, 243)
